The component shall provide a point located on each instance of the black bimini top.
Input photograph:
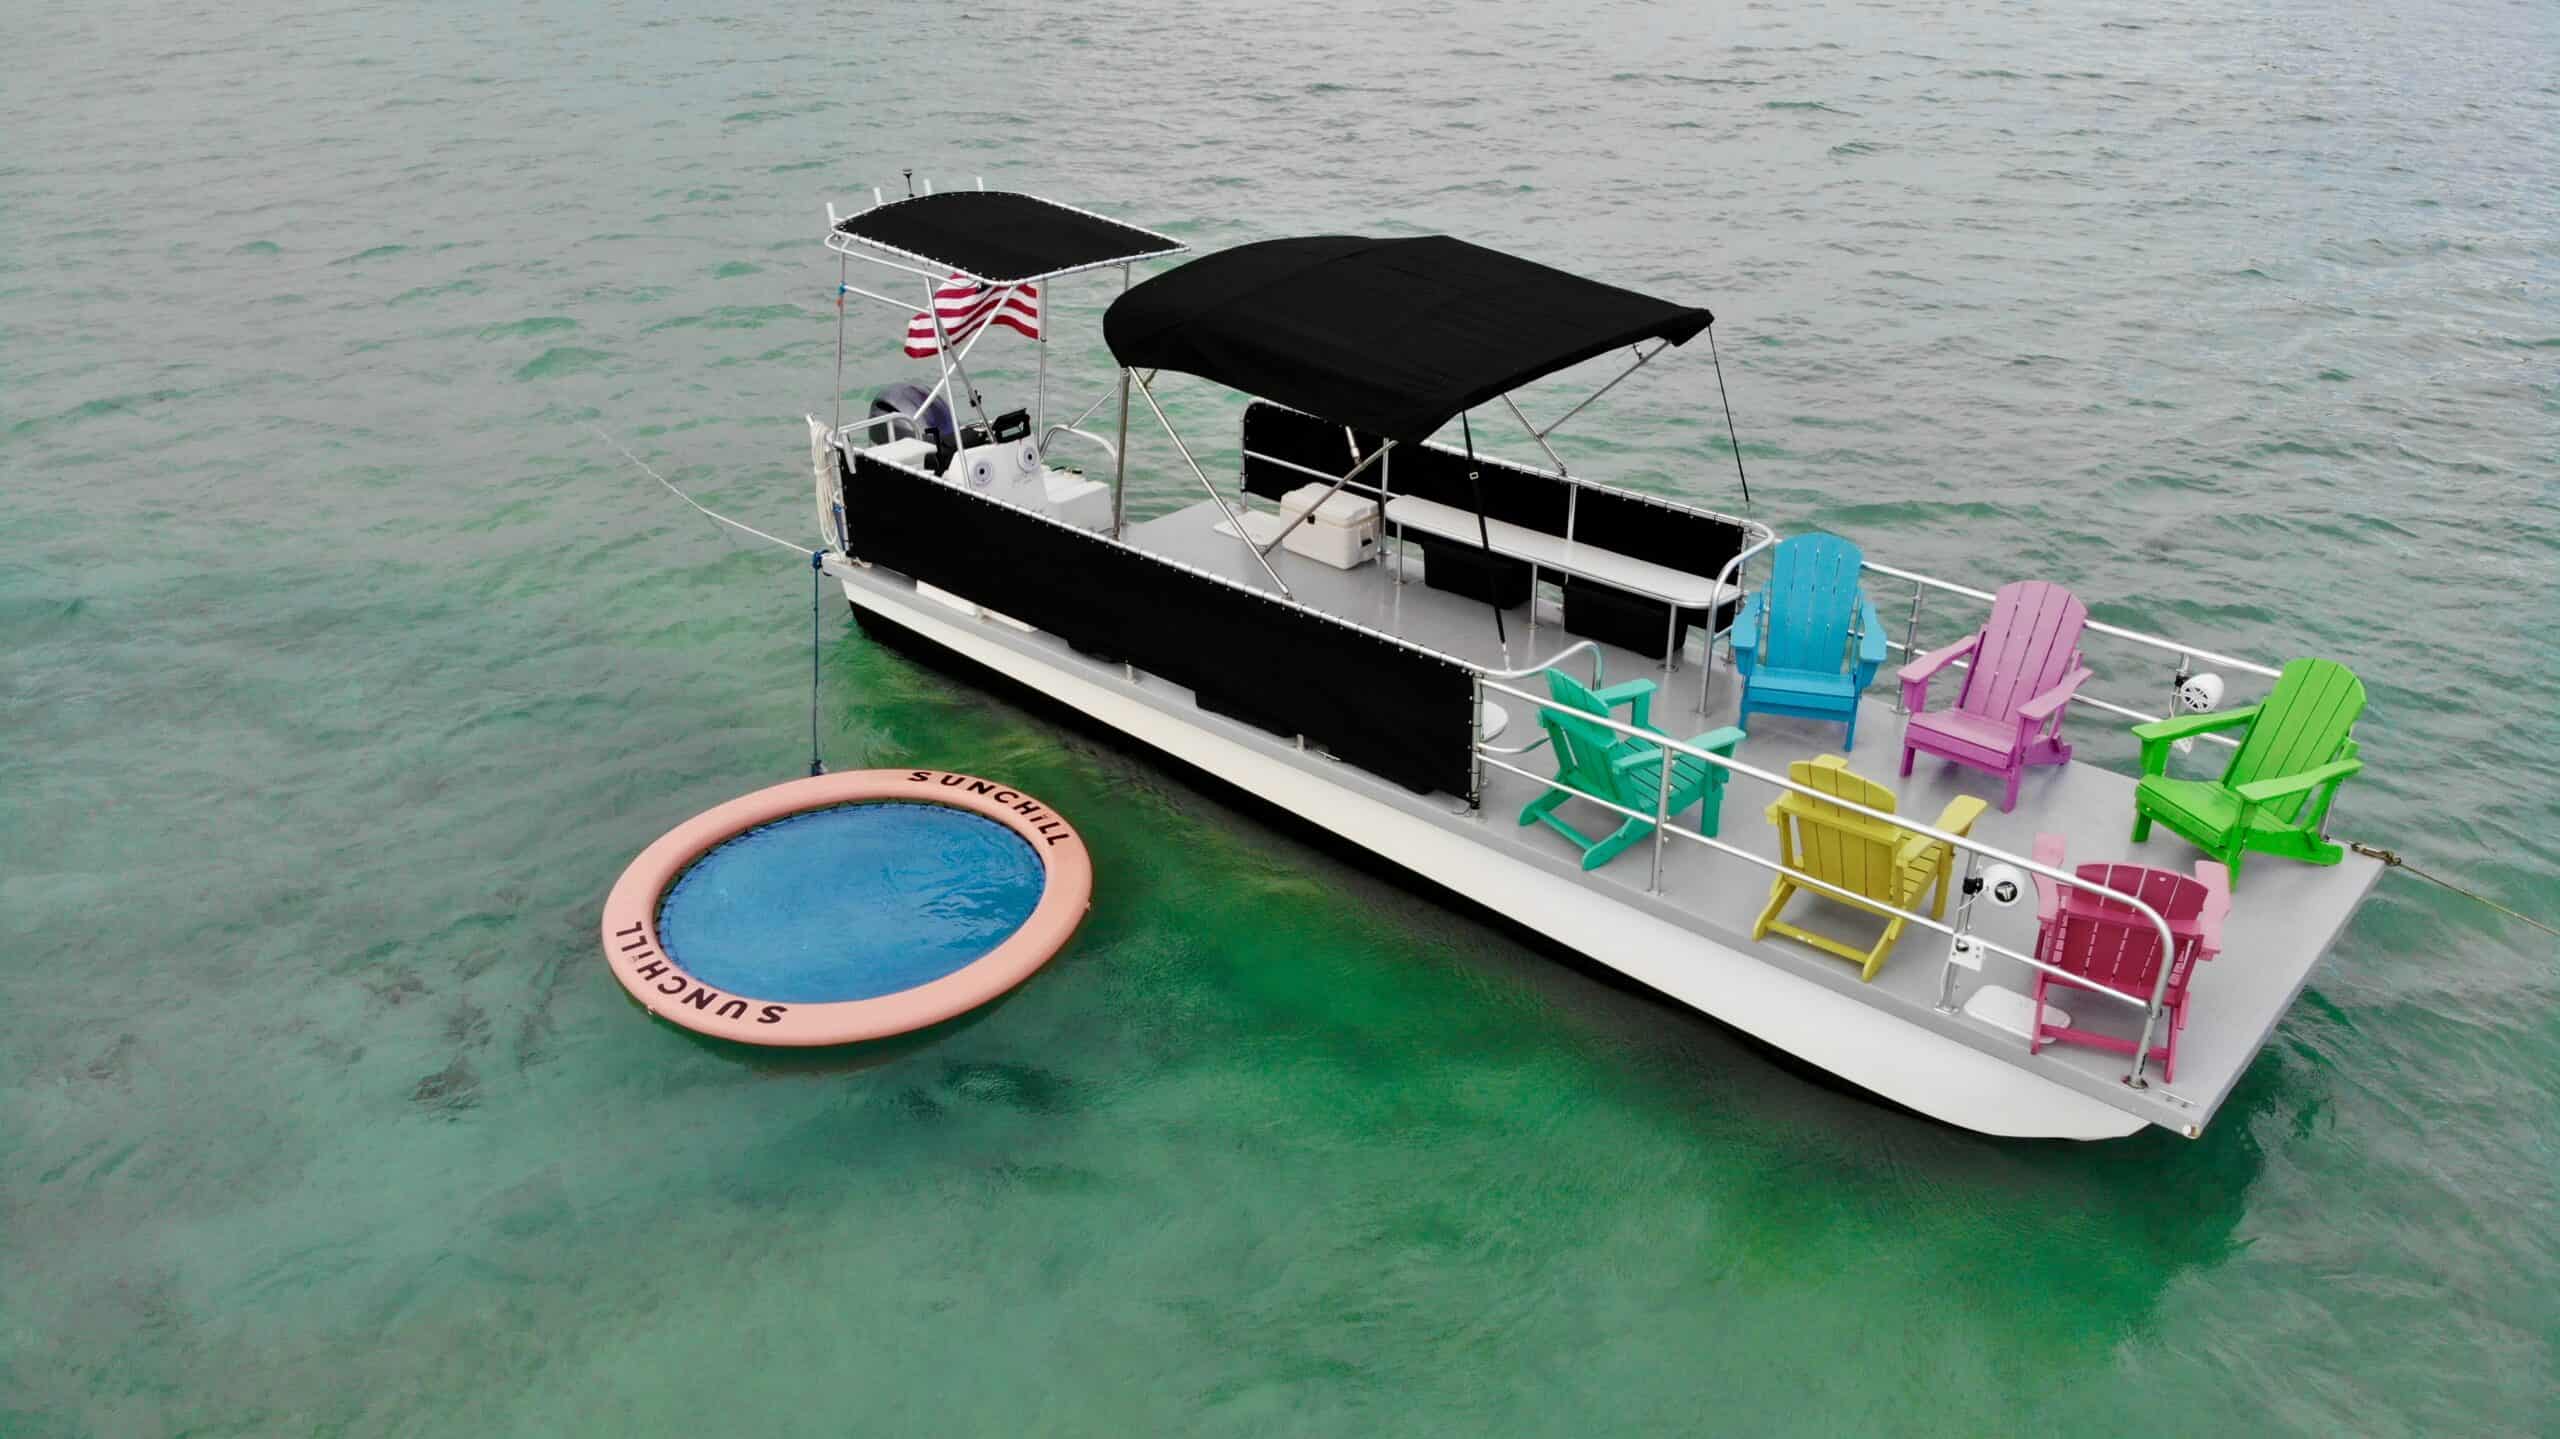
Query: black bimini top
(1391, 336)
(1001, 237)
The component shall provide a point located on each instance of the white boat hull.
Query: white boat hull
(1922, 1071)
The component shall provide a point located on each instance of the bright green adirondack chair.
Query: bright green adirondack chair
(1622, 769)
(2275, 795)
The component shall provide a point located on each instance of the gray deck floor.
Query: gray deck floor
(2284, 916)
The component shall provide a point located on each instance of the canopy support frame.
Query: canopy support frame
(1643, 358)
(1534, 433)
(849, 247)
(958, 363)
(1291, 522)
(1735, 439)
(1120, 466)
(1484, 539)
(1040, 386)
(1120, 450)
(1147, 393)
(943, 357)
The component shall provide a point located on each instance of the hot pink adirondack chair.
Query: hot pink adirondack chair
(2109, 945)
(2026, 663)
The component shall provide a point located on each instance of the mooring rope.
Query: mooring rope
(697, 504)
(2392, 860)
(817, 583)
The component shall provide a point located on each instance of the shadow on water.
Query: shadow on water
(2088, 1236)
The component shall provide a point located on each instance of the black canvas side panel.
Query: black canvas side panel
(1629, 524)
(1522, 496)
(1638, 527)
(1301, 439)
(1398, 712)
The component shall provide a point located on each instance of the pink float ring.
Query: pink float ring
(641, 962)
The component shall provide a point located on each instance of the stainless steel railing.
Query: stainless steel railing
(2188, 655)
(1962, 941)
(1730, 577)
(843, 434)
(1054, 431)
(1760, 536)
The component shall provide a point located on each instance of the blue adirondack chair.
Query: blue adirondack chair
(1809, 641)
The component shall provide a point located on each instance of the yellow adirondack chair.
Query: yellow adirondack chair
(1874, 858)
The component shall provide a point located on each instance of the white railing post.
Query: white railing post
(1728, 578)
(1475, 748)
(2140, 1079)
(1661, 819)
(1910, 644)
(1961, 942)
(2187, 654)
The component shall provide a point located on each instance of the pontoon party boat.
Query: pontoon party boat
(1660, 736)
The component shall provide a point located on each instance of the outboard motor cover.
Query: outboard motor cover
(903, 400)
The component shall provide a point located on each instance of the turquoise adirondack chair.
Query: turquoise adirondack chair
(1808, 642)
(2274, 797)
(1594, 760)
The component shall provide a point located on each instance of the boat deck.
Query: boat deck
(2284, 916)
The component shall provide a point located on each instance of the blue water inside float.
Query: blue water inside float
(850, 902)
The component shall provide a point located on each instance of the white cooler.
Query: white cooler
(1342, 532)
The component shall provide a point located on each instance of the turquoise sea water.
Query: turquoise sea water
(344, 668)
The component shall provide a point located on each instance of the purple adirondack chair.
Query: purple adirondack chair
(2106, 944)
(2026, 663)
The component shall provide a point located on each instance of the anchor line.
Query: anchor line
(817, 586)
(817, 581)
(2392, 860)
(697, 504)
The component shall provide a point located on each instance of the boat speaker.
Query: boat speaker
(2003, 885)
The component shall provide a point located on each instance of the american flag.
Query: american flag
(965, 305)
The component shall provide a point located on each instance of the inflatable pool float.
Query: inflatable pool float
(846, 907)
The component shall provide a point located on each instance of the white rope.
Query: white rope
(697, 504)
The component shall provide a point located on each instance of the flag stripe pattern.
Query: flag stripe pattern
(965, 306)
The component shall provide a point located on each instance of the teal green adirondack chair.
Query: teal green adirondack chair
(2275, 795)
(1622, 769)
